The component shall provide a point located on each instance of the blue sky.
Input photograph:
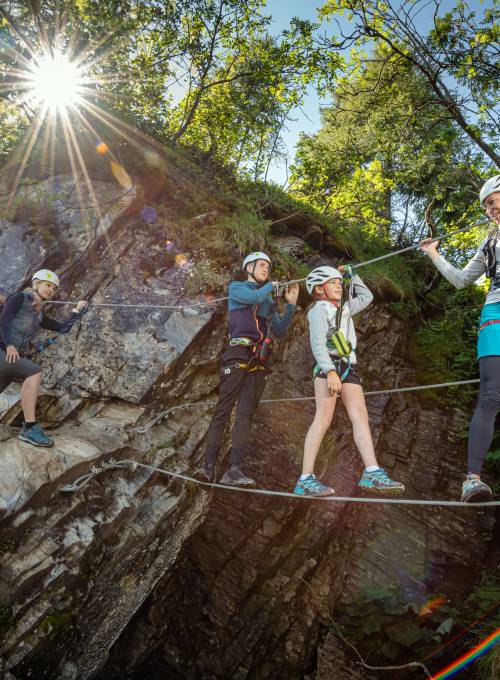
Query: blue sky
(307, 119)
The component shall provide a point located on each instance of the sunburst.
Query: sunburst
(61, 88)
(55, 81)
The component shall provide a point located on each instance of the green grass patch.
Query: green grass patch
(444, 347)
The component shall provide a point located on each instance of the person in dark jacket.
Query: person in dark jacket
(252, 317)
(22, 315)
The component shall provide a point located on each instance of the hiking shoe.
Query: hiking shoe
(475, 491)
(310, 486)
(379, 482)
(235, 477)
(201, 474)
(35, 435)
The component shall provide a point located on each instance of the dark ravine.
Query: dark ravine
(140, 576)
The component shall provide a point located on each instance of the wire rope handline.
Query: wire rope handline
(205, 303)
(415, 246)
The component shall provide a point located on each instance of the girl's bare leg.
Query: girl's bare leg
(325, 407)
(354, 401)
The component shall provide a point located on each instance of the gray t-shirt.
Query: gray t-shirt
(460, 278)
(321, 318)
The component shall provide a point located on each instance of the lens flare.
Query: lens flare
(121, 175)
(181, 261)
(55, 81)
(432, 604)
(169, 245)
(102, 148)
(470, 656)
(148, 214)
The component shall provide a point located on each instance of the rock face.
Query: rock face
(142, 575)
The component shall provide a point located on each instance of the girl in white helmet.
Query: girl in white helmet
(333, 343)
(485, 261)
(21, 317)
(252, 317)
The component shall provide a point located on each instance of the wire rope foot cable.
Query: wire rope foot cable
(134, 465)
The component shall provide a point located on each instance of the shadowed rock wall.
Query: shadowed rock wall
(142, 576)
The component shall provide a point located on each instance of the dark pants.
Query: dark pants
(22, 368)
(237, 385)
(483, 422)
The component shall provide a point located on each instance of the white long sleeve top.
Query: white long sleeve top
(322, 321)
(460, 278)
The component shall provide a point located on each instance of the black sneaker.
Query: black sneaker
(235, 477)
(203, 475)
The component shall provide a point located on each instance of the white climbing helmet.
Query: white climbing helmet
(253, 257)
(46, 275)
(489, 187)
(321, 275)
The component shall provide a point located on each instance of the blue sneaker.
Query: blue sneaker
(310, 486)
(35, 435)
(475, 491)
(379, 482)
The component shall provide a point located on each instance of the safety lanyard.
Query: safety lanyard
(342, 346)
(488, 323)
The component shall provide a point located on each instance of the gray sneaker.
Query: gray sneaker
(475, 491)
(201, 474)
(235, 477)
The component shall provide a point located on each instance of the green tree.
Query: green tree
(386, 155)
(240, 122)
(237, 84)
(458, 58)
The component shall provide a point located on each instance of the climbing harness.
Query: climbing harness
(488, 323)
(41, 346)
(342, 369)
(242, 342)
(249, 367)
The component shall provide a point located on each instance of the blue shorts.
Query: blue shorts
(488, 341)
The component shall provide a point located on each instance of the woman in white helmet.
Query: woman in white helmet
(333, 343)
(485, 261)
(21, 317)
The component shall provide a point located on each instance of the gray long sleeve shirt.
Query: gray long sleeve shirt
(321, 318)
(460, 278)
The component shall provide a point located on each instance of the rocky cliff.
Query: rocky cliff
(140, 575)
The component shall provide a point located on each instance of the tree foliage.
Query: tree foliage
(385, 154)
(458, 58)
(205, 73)
(411, 131)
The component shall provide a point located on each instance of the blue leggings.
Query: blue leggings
(482, 425)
